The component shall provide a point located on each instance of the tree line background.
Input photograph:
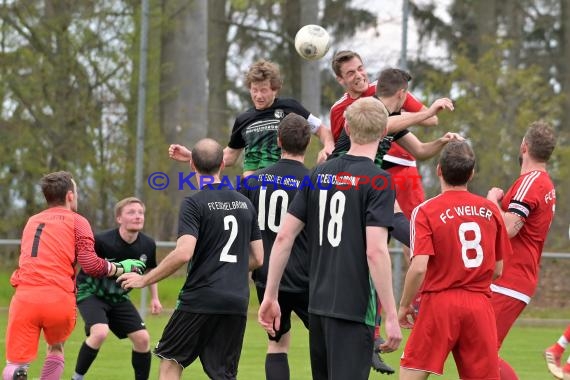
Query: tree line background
(69, 74)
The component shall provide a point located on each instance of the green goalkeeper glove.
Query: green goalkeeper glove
(130, 265)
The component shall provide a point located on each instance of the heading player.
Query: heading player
(255, 130)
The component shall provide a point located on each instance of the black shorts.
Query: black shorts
(340, 349)
(123, 318)
(215, 338)
(288, 302)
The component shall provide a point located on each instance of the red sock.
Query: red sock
(557, 349)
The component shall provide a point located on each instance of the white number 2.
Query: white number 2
(471, 244)
(230, 222)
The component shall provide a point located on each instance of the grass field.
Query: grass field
(523, 348)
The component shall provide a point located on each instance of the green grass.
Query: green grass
(522, 348)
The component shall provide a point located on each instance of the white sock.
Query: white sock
(563, 342)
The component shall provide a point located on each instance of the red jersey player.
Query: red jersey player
(457, 242)
(351, 74)
(528, 209)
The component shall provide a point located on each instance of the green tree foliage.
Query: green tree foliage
(507, 71)
(63, 75)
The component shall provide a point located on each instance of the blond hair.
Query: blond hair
(366, 118)
(125, 202)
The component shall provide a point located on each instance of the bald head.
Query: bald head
(207, 156)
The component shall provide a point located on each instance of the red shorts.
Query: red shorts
(507, 310)
(34, 310)
(456, 321)
(409, 189)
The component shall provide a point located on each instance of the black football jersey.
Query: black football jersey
(272, 190)
(349, 194)
(224, 223)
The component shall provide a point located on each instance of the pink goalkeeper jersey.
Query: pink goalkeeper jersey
(533, 198)
(464, 234)
(53, 241)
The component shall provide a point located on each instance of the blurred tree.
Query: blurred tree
(62, 93)
(183, 91)
(505, 70)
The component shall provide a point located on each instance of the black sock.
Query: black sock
(85, 358)
(276, 367)
(141, 364)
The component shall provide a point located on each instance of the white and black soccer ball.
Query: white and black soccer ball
(312, 42)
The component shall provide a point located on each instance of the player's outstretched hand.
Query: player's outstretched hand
(131, 280)
(179, 153)
(131, 265)
(269, 316)
(450, 136)
(406, 317)
(441, 104)
(393, 334)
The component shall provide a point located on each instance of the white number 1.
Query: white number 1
(334, 229)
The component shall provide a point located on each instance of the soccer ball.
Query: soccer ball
(312, 42)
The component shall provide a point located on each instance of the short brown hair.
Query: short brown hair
(294, 134)
(341, 57)
(264, 70)
(541, 140)
(366, 118)
(125, 202)
(55, 187)
(390, 81)
(457, 161)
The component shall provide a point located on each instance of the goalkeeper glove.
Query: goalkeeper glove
(131, 265)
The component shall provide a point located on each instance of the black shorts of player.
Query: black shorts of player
(288, 302)
(122, 317)
(340, 349)
(215, 338)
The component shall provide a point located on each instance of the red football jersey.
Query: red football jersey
(52, 242)
(533, 198)
(337, 110)
(464, 234)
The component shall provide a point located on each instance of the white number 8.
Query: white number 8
(471, 244)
